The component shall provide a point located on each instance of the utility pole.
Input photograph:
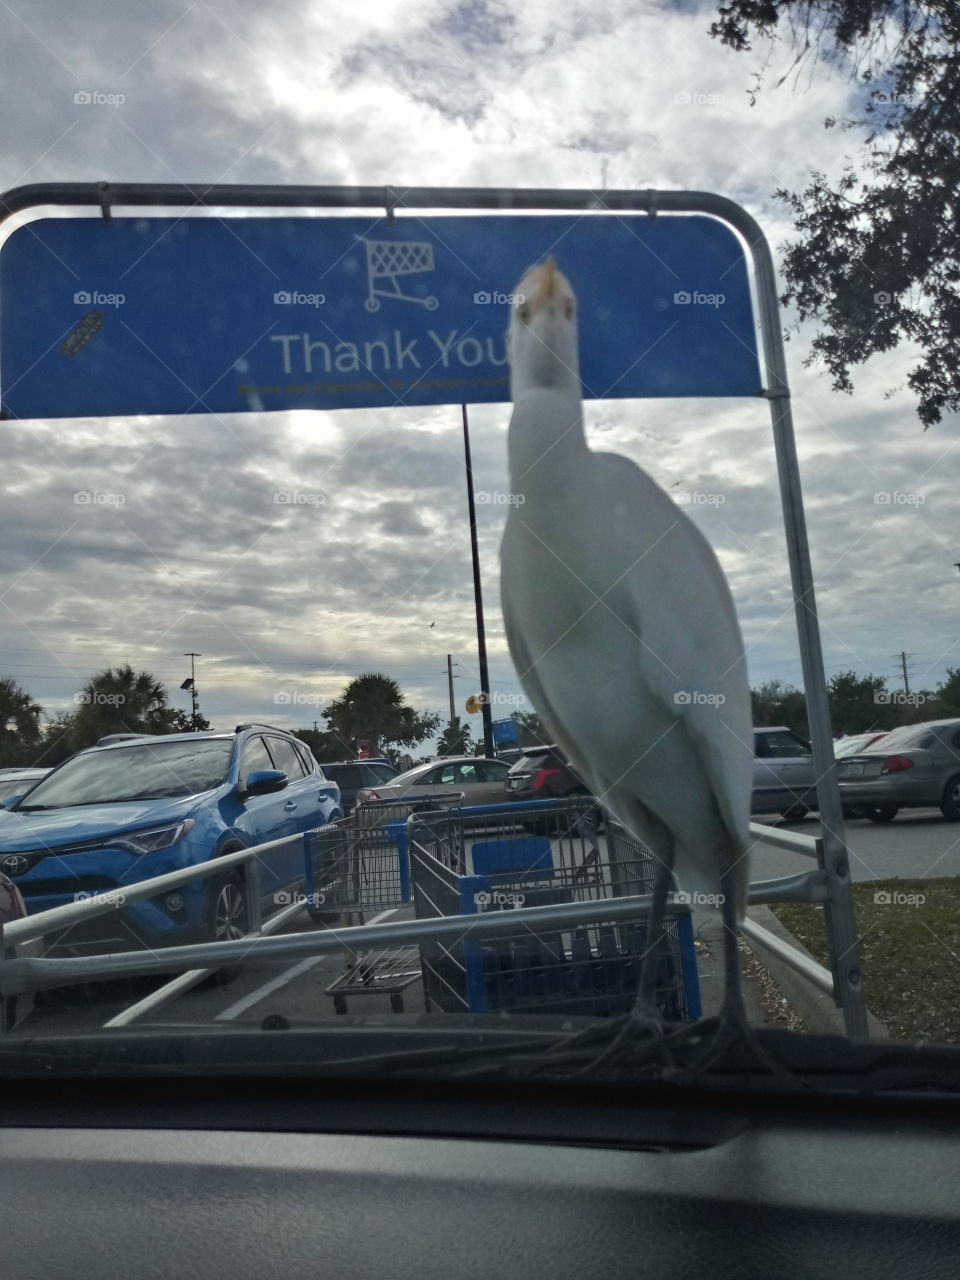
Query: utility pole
(192, 684)
(903, 666)
(478, 595)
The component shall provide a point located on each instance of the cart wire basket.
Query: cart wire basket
(541, 855)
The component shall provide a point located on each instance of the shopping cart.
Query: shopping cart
(359, 868)
(590, 970)
(387, 260)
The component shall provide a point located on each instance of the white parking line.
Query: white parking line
(260, 993)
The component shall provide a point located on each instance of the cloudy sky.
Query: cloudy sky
(287, 602)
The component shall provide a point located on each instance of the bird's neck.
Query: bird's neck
(546, 441)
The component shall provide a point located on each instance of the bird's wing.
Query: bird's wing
(697, 651)
(523, 659)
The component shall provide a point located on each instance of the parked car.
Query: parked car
(856, 742)
(481, 780)
(784, 778)
(114, 815)
(351, 776)
(18, 780)
(542, 773)
(916, 766)
(15, 1009)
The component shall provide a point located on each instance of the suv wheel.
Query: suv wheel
(882, 812)
(228, 918)
(950, 804)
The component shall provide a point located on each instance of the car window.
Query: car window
(780, 744)
(432, 778)
(146, 770)
(491, 770)
(255, 757)
(374, 773)
(466, 773)
(309, 764)
(348, 776)
(286, 757)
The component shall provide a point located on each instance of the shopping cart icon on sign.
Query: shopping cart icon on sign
(387, 260)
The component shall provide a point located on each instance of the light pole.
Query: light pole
(478, 596)
(191, 684)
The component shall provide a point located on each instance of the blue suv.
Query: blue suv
(117, 814)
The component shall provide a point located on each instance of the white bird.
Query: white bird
(624, 634)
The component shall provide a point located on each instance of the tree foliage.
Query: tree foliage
(20, 728)
(456, 739)
(121, 700)
(877, 258)
(372, 708)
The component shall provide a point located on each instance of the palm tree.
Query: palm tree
(121, 700)
(455, 739)
(371, 709)
(20, 730)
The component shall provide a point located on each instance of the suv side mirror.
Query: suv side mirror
(262, 781)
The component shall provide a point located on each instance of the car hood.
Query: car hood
(81, 823)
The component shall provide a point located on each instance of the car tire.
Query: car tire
(881, 812)
(228, 917)
(319, 916)
(796, 814)
(950, 804)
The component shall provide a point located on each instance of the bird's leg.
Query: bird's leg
(733, 1026)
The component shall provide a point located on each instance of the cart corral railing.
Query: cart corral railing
(20, 975)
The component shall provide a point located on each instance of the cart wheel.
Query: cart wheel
(372, 304)
(431, 303)
(396, 1002)
(339, 1004)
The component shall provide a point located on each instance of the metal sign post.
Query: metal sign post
(279, 313)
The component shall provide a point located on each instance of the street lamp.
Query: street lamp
(191, 684)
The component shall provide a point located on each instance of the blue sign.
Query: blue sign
(225, 315)
(506, 731)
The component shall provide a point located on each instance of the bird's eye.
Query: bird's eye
(523, 312)
(568, 309)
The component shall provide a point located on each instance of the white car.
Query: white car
(479, 779)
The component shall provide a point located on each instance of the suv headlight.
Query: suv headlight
(152, 839)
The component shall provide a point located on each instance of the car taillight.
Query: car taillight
(541, 776)
(373, 795)
(896, 764)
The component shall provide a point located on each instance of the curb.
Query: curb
(818, 1010)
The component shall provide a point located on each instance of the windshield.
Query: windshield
(491, 389)
(143, 772)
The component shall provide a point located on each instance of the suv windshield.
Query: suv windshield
(145, 771)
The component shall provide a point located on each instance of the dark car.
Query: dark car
(542, 773)
(352, 776)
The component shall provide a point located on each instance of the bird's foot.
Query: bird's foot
(734, 1031)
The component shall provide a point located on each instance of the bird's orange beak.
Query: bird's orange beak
(543, 285)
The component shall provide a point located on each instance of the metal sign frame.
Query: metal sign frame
(108, 196)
